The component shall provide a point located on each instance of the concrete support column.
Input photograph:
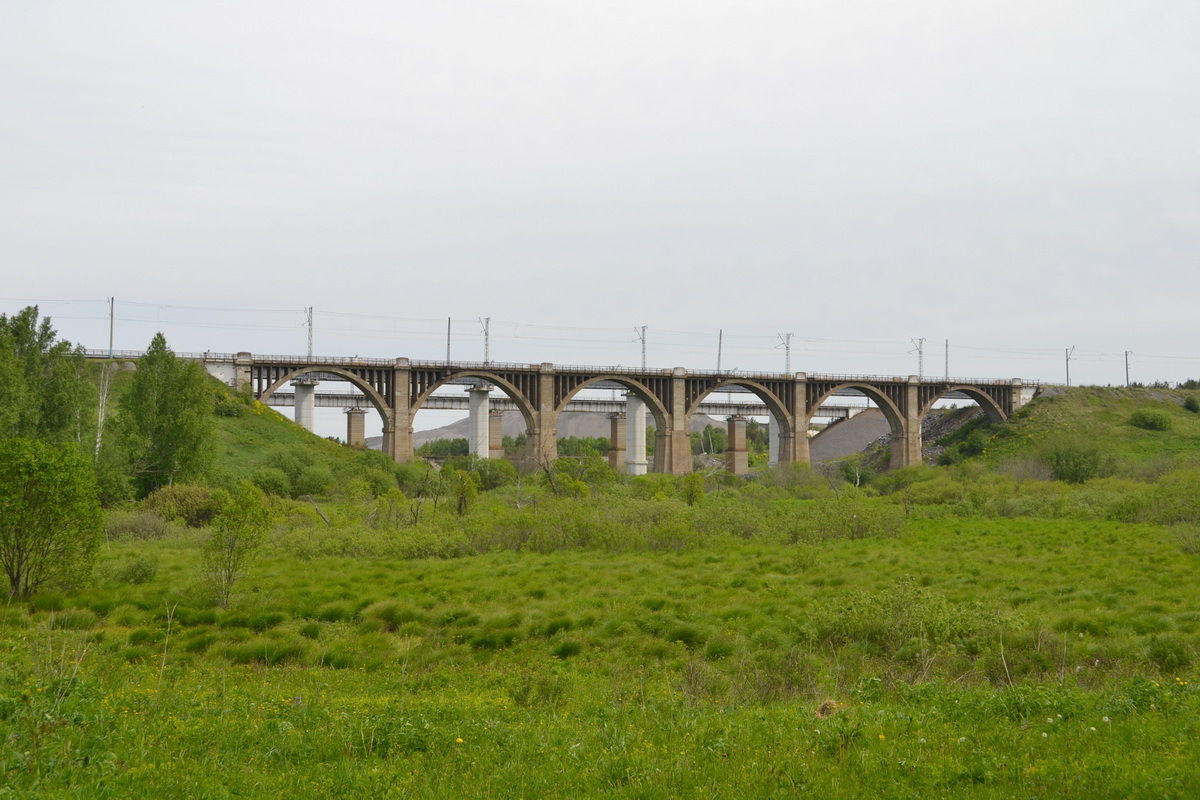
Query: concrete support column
(772, 440)
(242, 363)
(306, 401)
(496, 434)
(478, 443)
(675, 444)
(635, 435)
(906, 447)
(397, 424)
(616, 442)
(798, 450)
(736, 460)
(356, 429)
(544, 436)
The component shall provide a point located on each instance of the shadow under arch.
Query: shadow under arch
(891, 411)
(774, 404)
(512, 392)
(376, 399)
(989, 405)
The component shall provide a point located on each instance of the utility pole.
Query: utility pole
(308, 314)
(720, 343)
(112, 306)
(1127, 353)
(785, 341)
(920, 351)
(486, 323)
(1070, 350)
(447, 340)
(641, 334)
(947, 360)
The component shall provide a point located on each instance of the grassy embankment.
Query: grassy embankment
(976, 630)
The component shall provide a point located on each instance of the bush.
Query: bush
(141, 525)
(314, 480)
(1076, 461)
(183, 502)
(1150, 419)
(272, 480)
(137, 570)
(1192, 404)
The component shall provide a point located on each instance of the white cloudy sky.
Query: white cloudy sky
(1016, 177)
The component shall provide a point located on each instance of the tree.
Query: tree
(43, 394)
(50, 521)
(166, 419)
(238, 530)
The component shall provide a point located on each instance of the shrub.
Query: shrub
(1192, 404)
(315, 479)
(226, 405)
(136, 570)
(142, 524)
(1150, 419)
(272, 480)
(1076, 460)
(183, 502)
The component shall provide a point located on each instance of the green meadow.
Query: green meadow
(1021, 622)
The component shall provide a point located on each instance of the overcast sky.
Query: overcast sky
(1014, 177)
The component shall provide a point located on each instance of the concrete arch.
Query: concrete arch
(381, 405)
(513, 393)
(657, 409)
(986, 402)
(778, 410)
(890, 410)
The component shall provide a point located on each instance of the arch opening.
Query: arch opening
(489, 428)
(630, 436)
(328, 413)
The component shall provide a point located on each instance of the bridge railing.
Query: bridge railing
(492, 366)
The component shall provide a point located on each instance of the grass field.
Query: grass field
(972, 631)
(964, 657)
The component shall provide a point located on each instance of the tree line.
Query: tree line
(63, 450)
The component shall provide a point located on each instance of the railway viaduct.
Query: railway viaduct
(398, 388)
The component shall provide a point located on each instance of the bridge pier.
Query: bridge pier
(479, 444)
(616, 442)
(906, 447)
(356, 428)
(772, 440)
(635, 436)
(306, 390)
(736, 460)
(397, 419)
(496, 434)
(544, 436)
